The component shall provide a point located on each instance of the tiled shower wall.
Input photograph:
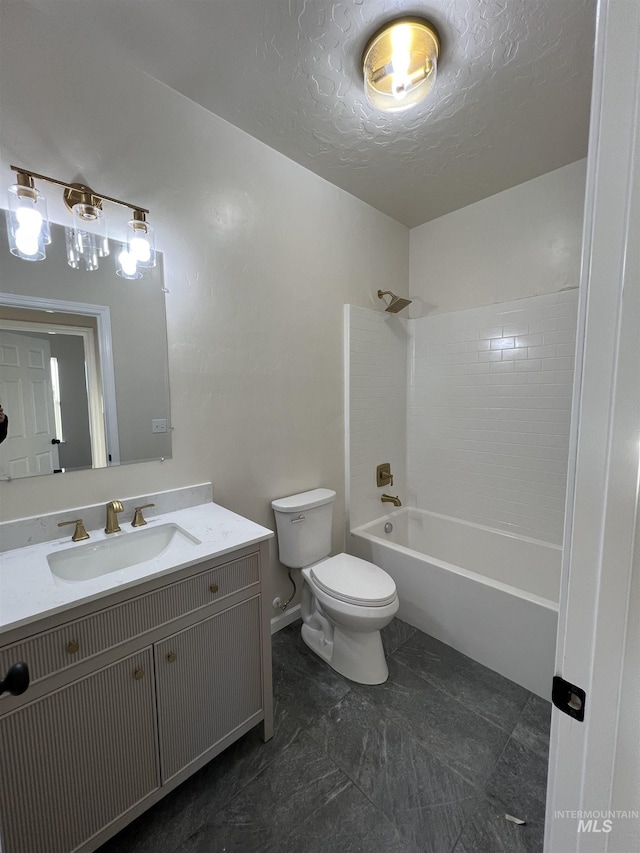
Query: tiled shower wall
(489, 410)
(376, 407)
(482, 433)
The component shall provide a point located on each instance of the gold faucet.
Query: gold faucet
(79, 533)
(389, 499)
(113, 508)
(138, 518)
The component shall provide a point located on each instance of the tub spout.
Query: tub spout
(389, 499)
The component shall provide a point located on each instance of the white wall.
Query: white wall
(489, 413)
(260, 257)
(376, 390)
(522, 242)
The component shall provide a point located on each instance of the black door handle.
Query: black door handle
(16, 680)
(55, 441)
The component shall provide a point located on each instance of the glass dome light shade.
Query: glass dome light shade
(142, 244)
(399, 64)
(27, 223)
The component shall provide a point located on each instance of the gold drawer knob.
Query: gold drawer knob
(172, 657)
(72, 647)
(214, 587)
(138, 674)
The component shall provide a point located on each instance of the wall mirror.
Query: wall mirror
(84, 378)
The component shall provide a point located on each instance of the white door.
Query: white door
(27, 399)
(593, 801)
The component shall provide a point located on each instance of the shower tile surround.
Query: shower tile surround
(430, 761)
(376, 407)
(488, 407)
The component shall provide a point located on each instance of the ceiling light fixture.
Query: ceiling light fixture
(86, 239)
(399, 64)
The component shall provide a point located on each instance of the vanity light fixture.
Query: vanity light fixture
(127, 266)
(142, 246)
(27, 220)
(399, 64)
(86, 239)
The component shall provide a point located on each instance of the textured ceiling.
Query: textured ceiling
(511, 99)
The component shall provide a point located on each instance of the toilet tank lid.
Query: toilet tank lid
(304, 500)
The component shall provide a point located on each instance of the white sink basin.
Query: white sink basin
(119, 552)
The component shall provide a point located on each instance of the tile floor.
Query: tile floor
(429, 762)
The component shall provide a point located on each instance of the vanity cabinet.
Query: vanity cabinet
(57, 755)
(208, 682)
(128, 698)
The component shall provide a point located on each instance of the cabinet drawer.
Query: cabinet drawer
(61, 648)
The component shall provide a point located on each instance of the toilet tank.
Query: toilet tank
(303, 523)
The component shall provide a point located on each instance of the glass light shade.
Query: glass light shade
(127, 266)
(87, 249)
(90, 227)
(27, 223)
(142, 244)
(73, 255)
(102, 246)
(400, 63)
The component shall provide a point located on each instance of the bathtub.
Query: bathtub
(490, 594)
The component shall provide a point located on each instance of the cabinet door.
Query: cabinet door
(209, 682)
(74, 760)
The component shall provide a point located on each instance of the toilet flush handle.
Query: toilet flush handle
(299, 518)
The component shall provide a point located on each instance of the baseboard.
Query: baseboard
(286, 618)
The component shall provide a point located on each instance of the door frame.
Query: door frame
(602, 495)
(102, 316)
(94, 390)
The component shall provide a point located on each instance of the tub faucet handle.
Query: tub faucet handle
(384, 477)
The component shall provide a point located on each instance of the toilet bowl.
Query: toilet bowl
(346, 601)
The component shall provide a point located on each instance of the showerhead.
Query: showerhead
(397, 302)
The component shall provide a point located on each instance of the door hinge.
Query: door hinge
(568, 698)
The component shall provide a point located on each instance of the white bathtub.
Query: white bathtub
(490, 594)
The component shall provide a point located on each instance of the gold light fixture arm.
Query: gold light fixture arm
(77, 192)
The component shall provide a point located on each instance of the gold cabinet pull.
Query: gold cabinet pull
(172, 657)
(72, 647)
(213, 587)
(138, 674)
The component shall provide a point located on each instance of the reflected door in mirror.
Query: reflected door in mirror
(27, 399)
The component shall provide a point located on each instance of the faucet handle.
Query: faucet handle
(138, 518)
(79, 533)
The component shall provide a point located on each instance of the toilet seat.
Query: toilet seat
(354, 581)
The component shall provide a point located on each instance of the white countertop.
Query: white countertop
(29, 591)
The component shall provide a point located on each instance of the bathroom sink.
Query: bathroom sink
(120, 552)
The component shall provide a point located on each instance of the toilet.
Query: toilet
(346, 601)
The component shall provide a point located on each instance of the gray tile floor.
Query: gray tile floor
(429, 762)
